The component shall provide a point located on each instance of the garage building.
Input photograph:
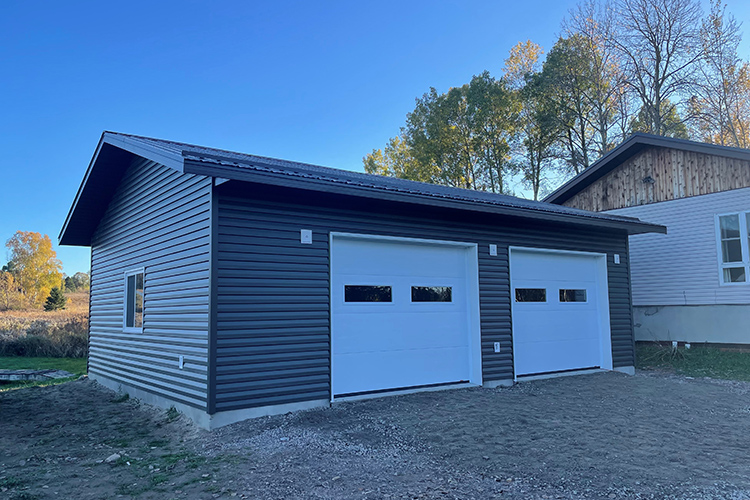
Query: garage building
(231, 286)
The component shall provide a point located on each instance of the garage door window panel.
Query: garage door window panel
(431, 294)
(368, 293)
(572, 295)
(531, 295)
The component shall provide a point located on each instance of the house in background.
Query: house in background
(693, 283)
(232, 286)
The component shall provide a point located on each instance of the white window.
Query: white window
(133, 306)
(734, 248)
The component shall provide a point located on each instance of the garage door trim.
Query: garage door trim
(472, 276)
(605, 333)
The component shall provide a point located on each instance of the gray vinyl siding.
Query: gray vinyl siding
(682, 266)
(273, 329)
(160, 220)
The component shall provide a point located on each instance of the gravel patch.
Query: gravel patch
(599, 436)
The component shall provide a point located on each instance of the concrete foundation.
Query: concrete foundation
(201, 417)
(719, 324)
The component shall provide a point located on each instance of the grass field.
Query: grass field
(696, 362)
(76, 366)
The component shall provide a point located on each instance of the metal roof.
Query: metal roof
(230, 165)
(627, 149)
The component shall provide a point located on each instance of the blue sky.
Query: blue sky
(319, 82)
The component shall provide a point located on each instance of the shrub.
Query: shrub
(60, 337)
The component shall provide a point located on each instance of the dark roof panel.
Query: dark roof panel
(231, 165)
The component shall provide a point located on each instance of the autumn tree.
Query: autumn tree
(460, 138)
(721, 102)
(591, 25)
(659, 42)
(539, 127)
(36, 268)
(10, 294)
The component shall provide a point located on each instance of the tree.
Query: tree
(56, 300)
(79, 281)
(36, 268)
(538, 129)
(672, 124)
(592, 25)
(660, 44)
(10, 295)
(569, 78)
(460, 138)
(396, 160)
(721, 103)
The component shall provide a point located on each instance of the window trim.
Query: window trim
(126, 275)
(744, 244)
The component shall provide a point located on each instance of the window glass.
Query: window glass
(138, 316)
(531, 295)
(431, 294)
(134, 301)
(734, 275)
(571, 295)
(731, 243)
(367, 293)
(130, 302)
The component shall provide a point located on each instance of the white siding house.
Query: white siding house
(693, 283)
(677, 277)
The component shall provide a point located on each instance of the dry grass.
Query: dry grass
(46, 334)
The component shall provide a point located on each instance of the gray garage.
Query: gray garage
(231, 286)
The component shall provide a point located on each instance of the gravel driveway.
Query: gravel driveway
(596, 436)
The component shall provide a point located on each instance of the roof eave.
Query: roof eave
(633, 226)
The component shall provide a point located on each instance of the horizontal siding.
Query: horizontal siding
(682, 267)
(273, 329)
(159, 219)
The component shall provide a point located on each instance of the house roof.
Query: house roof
(114, 151)
(629, 148)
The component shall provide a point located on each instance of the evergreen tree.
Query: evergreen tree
(56, 300)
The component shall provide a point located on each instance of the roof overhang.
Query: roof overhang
(629, 148)
(115, 153)
(112, 157)
(228, 173)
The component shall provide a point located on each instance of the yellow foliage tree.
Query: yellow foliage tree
(10, 296)
(36, 268)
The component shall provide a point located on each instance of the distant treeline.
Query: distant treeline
(620, 66)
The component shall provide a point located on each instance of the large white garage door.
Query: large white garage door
(560, 318)
(400, 314)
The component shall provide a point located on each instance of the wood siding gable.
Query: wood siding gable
(659, 174)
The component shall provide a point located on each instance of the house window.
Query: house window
(734, 247)
(133, 321)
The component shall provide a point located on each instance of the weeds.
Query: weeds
(172, 414)
(699, 361)
(121, 398)
(61, 335)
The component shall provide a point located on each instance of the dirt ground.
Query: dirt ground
(601, 436)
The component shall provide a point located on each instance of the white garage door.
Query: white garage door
(560, 318)
(400, 314)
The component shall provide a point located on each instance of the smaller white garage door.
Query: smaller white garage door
(560, 318)
(401, 314)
